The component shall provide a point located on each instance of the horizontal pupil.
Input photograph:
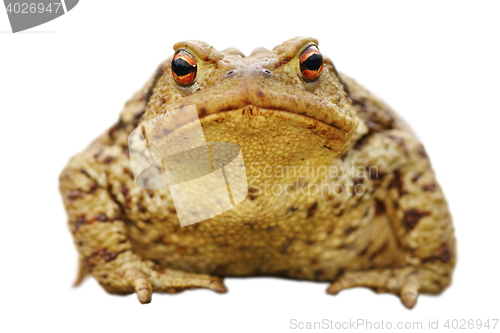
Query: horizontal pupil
(181, 67)
(313, 63)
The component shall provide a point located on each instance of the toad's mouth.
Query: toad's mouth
(252, 123)
(302, 115)
(334, 113)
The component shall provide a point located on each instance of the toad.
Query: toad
(339, 187)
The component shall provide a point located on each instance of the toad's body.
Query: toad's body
(339, 188)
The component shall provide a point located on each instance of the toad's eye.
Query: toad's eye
(311, 64)
(183, 68)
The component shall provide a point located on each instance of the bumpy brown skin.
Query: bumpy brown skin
(395, 235)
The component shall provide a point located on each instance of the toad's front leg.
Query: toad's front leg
(420, 220)
(99, 232)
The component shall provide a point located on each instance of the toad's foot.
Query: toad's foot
(150, 278)
(405, 282)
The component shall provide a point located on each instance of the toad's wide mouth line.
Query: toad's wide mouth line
(251, 107)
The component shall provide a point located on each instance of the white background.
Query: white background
(63, 83)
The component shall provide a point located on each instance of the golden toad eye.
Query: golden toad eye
(183, 68)
(311, 64)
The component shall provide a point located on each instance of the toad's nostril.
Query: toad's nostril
(229, 73)
(266, 72)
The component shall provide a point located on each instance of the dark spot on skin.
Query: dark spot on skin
(141, 207)
(361, 142)
(398, 140)
(378, 252)
(164, 100)
(260, 94)
(282, 62)
(75, 194)
(120, 124)
(334, 125)
(412, 217)
(416, 177)
(363, 252)
(292, 209)
(128, 172)
(110, 256)
(124, 190)
(79, 221)
(313, 261)
(373, 127)
(83, 171)
(133, 224)
(375, 174)
(379, 207)
(327, 147)
(161, 240)
(338, 274)
(138, 117)
(93, 258)
(172, 210)
(96, 155)
(203, 112)
(284, 247)
(339, 213)
(358, 180)
(349, 230)
(151, 193)
(318, 273)
(102, 218)
(444, 255)
(311, 210)
(429, 187)
(421, 152)
(108, 160)
(181, 249)
(397, 183)
(252, 193)
(165, 131)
